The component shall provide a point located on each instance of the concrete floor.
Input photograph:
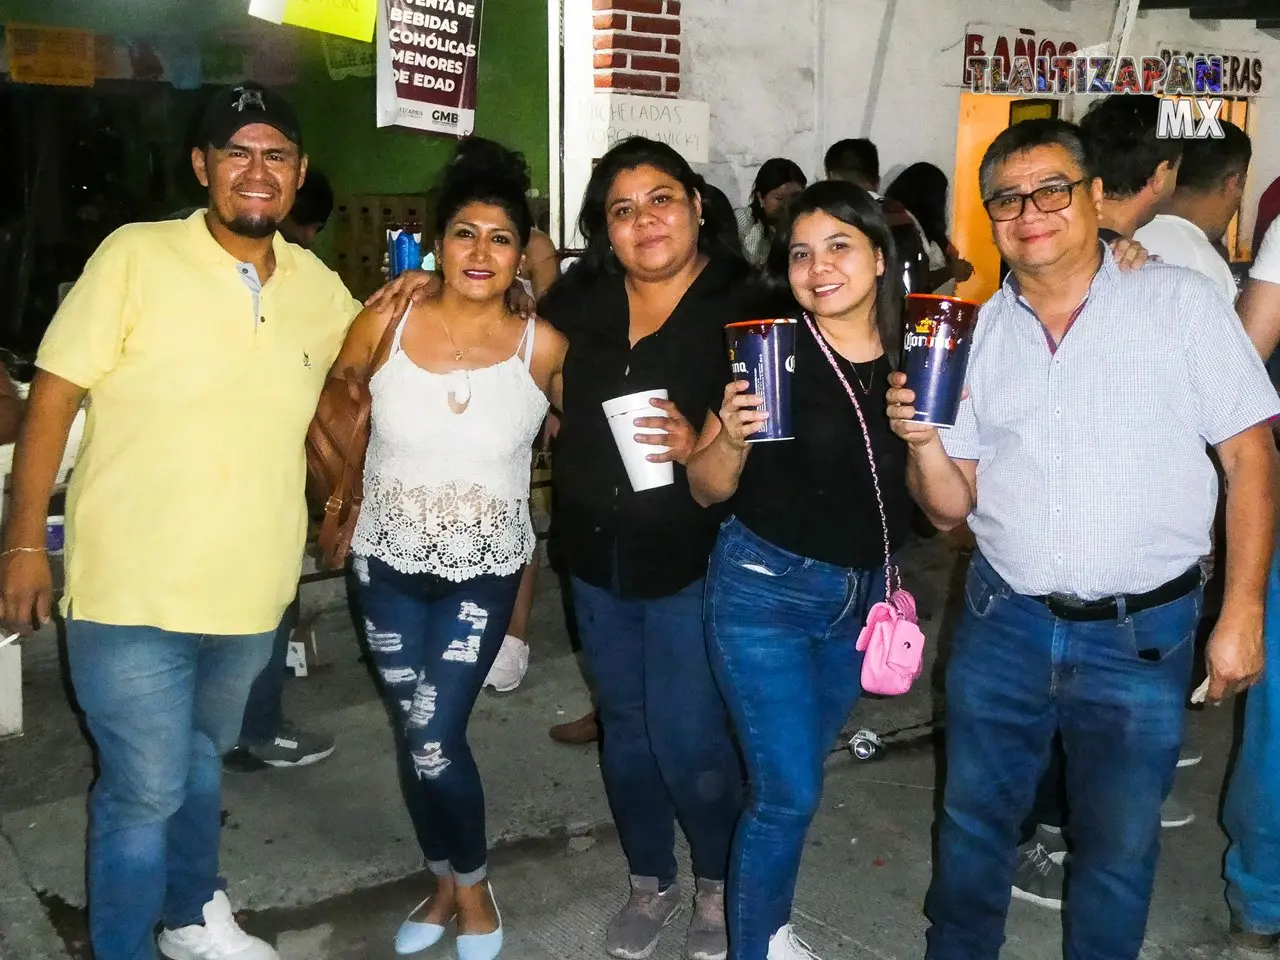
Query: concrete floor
(323, 860)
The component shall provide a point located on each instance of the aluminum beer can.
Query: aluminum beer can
(763, 352)
(935, 354)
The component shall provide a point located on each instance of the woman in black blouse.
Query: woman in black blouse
(801, 561)
(644, 310)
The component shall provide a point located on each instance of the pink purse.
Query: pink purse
(891, 640)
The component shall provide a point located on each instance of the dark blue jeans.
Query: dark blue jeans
(666, 753)
(1114, 691)
(162, 708)
(263, 713)
(1252, 811)
(782, 629)
(433, 642)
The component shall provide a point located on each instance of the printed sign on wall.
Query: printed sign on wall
(427, 65)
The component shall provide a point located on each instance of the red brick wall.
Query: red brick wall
(637, 46)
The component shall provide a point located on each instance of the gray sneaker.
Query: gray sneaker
(1039, 877)
(290, 748)
(633, 933)
(707, 939)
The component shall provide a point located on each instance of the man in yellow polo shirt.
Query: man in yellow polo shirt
(202, 345)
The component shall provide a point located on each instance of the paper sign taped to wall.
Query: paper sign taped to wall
(345, 18)
(51, 56)
(682, 124)
(428, 63)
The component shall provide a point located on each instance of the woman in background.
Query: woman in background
(777, 184)
(922, 189)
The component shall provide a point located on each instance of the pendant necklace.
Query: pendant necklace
(460, 380)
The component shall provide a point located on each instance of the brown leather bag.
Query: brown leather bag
(336, 443)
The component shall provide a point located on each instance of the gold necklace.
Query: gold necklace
(459, 354)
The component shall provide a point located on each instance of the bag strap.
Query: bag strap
(384, 345)
(889, 569)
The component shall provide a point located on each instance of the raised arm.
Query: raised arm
(722, 449)
(946, 489)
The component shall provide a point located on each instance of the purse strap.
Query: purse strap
(890, 570)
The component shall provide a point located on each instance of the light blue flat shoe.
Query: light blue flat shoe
(482, 946)
(414, 937)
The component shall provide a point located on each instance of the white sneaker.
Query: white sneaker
(510, 667)
(1175, 813)
(785, 945)
(220, 938)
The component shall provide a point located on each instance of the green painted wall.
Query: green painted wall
(338, 115)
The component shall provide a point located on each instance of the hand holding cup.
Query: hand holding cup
(740, 417)
(677, 435)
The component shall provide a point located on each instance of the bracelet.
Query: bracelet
(13, 550)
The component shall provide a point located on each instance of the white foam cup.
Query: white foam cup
(622, 413)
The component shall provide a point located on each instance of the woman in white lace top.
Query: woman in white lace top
(444, 531)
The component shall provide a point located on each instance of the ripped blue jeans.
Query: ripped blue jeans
(433, 642)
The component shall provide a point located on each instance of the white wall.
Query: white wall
(788, 79)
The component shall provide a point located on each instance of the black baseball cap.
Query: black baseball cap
(246, 103)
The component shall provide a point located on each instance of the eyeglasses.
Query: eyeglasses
(1050, 199)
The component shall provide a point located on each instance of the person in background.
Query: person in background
(444, 530)
(203, 345)
(1138, 172)
(267, 738)
(858, 162)
(644, 309)
(922, 189)
(1251, 812)
(802, 560)
(11, 408)
(1268, 210)
(778, 182)
(1211, 179)
(1079, 460)
(311, 211)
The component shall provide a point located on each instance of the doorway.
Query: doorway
(982, 118)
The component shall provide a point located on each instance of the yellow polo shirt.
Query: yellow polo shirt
(186, 509)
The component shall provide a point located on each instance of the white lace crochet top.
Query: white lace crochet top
(447, 493)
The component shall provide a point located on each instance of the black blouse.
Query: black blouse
(813, 495)
(654, 543)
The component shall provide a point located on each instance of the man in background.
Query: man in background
(1211, 180)
(1250, 813)
(267, 738)
(311, 211)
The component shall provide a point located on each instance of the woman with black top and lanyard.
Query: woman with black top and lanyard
(644, 309)
(800, 563)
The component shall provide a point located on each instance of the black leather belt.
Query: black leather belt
(1067, 607)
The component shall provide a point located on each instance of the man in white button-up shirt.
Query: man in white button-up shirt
(1079, 461)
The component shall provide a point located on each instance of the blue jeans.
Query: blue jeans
(782, 629)
(433, 642)
(162, 709)
(666, 753)
(263, 713)
(1114, 691)
(1252, 811)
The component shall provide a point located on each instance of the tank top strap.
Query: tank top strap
(526, 343)
(395, 342)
